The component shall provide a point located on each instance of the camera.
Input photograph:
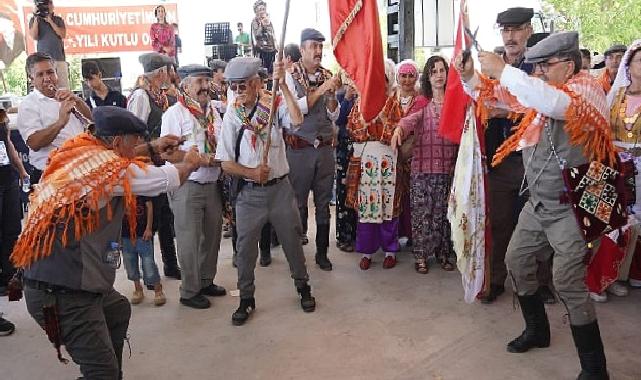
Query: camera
(42, 8)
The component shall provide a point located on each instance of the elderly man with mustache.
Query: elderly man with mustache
(310, 149)
(506, 198)
(197, 204)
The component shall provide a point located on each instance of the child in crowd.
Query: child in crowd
(143, 247)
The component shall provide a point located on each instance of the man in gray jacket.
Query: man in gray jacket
(69, 277)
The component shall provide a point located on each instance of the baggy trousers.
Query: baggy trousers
(313, 169)
(255, 206)
(538, 232)
(93, 328)
(198, 222)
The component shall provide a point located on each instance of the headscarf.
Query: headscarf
(623, 75)
(407, 66)
(390, 74)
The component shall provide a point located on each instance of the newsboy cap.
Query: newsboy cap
(311, 34)
(617, 48)
(116, 121)
(241, 68)
(154, 61)
(555, 44)
(515, 16)
(194, 71)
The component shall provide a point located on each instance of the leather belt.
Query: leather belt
(47, 287)
(271, 182)
(296, 142)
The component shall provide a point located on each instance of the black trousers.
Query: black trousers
(10, 216)
(164, 224)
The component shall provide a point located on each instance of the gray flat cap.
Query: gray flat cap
(555, 44)
(216, 64)
(618, 48)
(154, 61)
(515, 16)
(311, 34)
(194, 71)
(241, 68)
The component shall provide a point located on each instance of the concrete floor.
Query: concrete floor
(376, 324)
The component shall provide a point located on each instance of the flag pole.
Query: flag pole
(275, 83)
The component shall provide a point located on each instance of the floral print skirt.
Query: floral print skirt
(431, 231)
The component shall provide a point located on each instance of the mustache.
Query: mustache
(511, 42)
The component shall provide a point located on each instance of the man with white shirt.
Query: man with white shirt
(310, 149)
(45, 117)
(148, 102)
(264, 191)
(197, 204)
(567, 126)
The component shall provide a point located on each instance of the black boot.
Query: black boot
(265, 258)
(322, 242)
(587, 339)
(241, 315)
(537, 327)
(307, 302)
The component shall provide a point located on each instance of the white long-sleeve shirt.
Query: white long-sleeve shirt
(530, 91)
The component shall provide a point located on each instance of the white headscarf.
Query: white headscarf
(390, 74)
(623, 75)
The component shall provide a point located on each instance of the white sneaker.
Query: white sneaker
(618, 289)
(635, 283)
(599, 297)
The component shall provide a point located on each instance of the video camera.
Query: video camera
(42, 8)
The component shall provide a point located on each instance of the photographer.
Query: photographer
(49, 30)
(264, 46)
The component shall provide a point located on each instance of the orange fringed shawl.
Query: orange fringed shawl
(586, 118)
(78, 180)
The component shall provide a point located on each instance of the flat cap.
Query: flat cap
(535, 38)
(194, 71)
(515, 16)
(216, 64)
(241, 68)
(154, 61)
(617, 48)
(311, 34)
(555, 44)
(116, 121)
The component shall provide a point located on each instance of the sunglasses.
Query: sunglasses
(545, 66)
(238, 86)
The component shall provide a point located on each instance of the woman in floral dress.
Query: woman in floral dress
(378, 201)
(163, 36)
(433, 164)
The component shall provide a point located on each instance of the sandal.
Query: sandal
(447, 266)
(421, 267)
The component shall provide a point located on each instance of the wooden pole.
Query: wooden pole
(272, 109)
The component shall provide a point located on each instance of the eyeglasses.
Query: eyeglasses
(545, 66)
(238, 86)
(510, 29)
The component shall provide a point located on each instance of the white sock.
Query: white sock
(387, 254)
(368, 255)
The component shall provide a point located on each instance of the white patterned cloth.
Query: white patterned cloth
(466, 210)
(378, 182)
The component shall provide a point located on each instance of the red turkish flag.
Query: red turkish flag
(358, 48)
(456, 100)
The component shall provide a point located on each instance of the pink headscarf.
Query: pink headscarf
(407, 67)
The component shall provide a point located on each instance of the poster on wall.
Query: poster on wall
(104, 29)
(11, 36)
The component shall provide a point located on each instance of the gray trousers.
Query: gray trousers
(538, 233)
(312, 169)
(198, 223)
(256, 206)
(93, 329)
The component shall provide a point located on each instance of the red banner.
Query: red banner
(93, 30)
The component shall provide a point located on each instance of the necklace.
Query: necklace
(628, 121)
